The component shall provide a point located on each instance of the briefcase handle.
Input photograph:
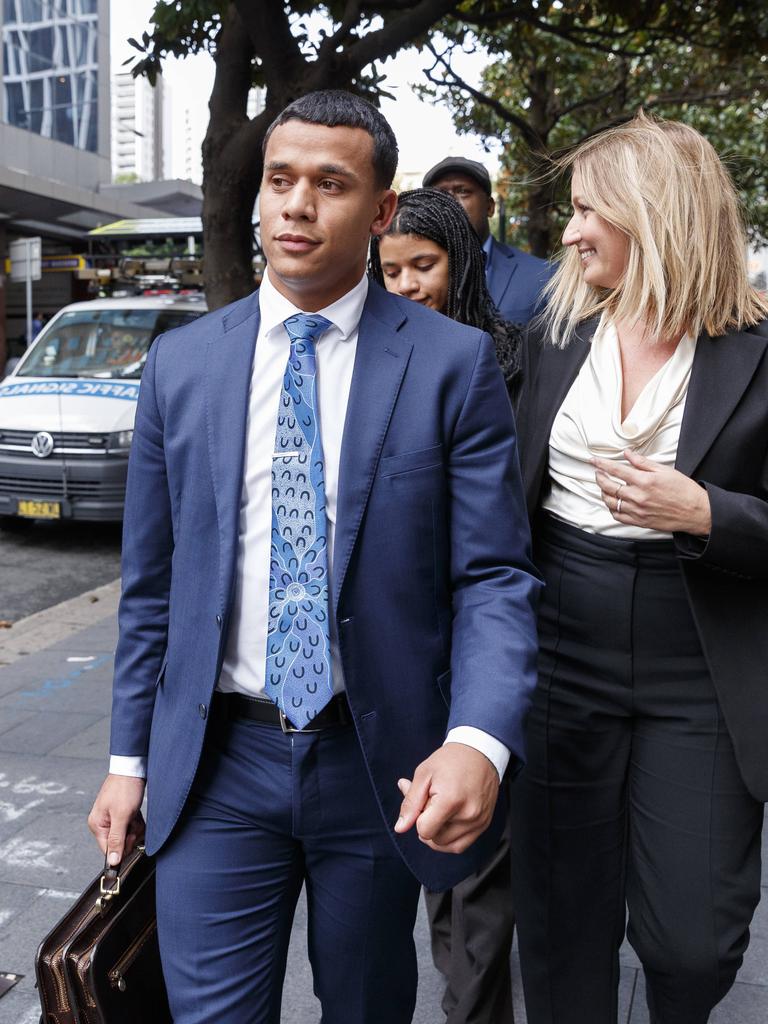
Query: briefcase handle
(109, 883)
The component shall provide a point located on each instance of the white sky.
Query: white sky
(424, 132)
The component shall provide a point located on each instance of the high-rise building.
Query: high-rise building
(55, 168)
(140, 129)
(51, 69)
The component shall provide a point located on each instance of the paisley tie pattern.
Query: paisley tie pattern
(298, 670)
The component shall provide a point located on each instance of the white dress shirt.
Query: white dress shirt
(589, 424)
(244, 662)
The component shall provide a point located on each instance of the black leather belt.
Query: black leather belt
(239, 705)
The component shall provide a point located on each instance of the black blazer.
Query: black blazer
(723, 445)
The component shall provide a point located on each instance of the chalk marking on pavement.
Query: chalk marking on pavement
(29, 784)
(5, 915)
(10, 812)
(87, 657)
(58, 894)
(49, 686)
(19, 853)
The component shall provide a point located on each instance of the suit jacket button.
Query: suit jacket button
(218, 620)
(203, 710)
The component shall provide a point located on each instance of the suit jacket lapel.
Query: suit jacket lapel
(380, 363)
(501, 270)
(554, 372)
(227, 386)
(722, 369)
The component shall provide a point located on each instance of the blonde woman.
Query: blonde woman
(643, 427)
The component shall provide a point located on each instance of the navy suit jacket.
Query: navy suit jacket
(434, 590)
(515, 280)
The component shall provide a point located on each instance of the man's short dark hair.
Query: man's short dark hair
(336, 108)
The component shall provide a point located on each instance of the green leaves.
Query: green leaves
(564, 70)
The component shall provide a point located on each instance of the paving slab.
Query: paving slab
(55, 679)
(58, 681)
(90, 743)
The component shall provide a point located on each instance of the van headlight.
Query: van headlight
(119, 442)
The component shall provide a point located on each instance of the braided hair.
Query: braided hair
(430, 213)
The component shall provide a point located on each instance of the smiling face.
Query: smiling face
(415, 268)
(603, 248)
(319, 204)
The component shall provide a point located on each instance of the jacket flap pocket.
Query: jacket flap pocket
(424, 458)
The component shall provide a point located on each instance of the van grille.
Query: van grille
(17, 442)
(54, 488)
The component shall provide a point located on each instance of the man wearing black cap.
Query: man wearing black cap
(515, 278)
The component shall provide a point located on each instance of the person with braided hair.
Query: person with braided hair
(431, 254)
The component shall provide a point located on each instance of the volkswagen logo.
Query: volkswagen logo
(42, 444)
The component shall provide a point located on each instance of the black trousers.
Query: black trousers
(631, 801)
(471, 928)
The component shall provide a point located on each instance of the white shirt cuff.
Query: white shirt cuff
(119, 764)
(493, 749)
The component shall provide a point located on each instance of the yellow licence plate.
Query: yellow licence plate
(40, 509)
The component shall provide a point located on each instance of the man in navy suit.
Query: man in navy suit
(515, 278)
(327, 638)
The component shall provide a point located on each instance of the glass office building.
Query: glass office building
(50, 69)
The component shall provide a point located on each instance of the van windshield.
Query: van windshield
(104, 343)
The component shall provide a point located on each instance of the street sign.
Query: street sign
(26, 265)
(26, 253)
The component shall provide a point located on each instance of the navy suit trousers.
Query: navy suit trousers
(269, 812)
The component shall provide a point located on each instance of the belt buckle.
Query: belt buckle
(287, 728)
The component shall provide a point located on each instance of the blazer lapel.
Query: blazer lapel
(722, 369)
(380, 363)
(554, 373)
(501, 270)
(227, 386)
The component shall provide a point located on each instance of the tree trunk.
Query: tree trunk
(540, 220)
(231, 170)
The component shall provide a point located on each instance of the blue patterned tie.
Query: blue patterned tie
(298, 672)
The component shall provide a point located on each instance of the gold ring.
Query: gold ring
(618, 506)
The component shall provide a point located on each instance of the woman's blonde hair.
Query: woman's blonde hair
(663, 186)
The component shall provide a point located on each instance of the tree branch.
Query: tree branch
(529, 134)
(266, 22)
(588, 101)
(386, 41)
(349, 19)
(232, 81)
(607, 41)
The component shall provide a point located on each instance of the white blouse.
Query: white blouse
(589, 425)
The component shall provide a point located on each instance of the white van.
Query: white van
(67, 409)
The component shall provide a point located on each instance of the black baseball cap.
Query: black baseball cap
(460, 165)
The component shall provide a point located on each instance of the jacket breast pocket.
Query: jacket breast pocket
(410, 462)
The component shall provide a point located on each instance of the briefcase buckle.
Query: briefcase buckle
(107, 892)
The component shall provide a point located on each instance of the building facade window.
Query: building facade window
(50, 69)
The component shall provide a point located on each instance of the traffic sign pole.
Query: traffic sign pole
(26, 265)
(29, 302)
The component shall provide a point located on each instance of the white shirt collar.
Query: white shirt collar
(344, 313)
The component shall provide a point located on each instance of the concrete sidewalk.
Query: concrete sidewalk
(55, 675)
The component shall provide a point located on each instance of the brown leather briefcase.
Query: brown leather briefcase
(101, 962)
